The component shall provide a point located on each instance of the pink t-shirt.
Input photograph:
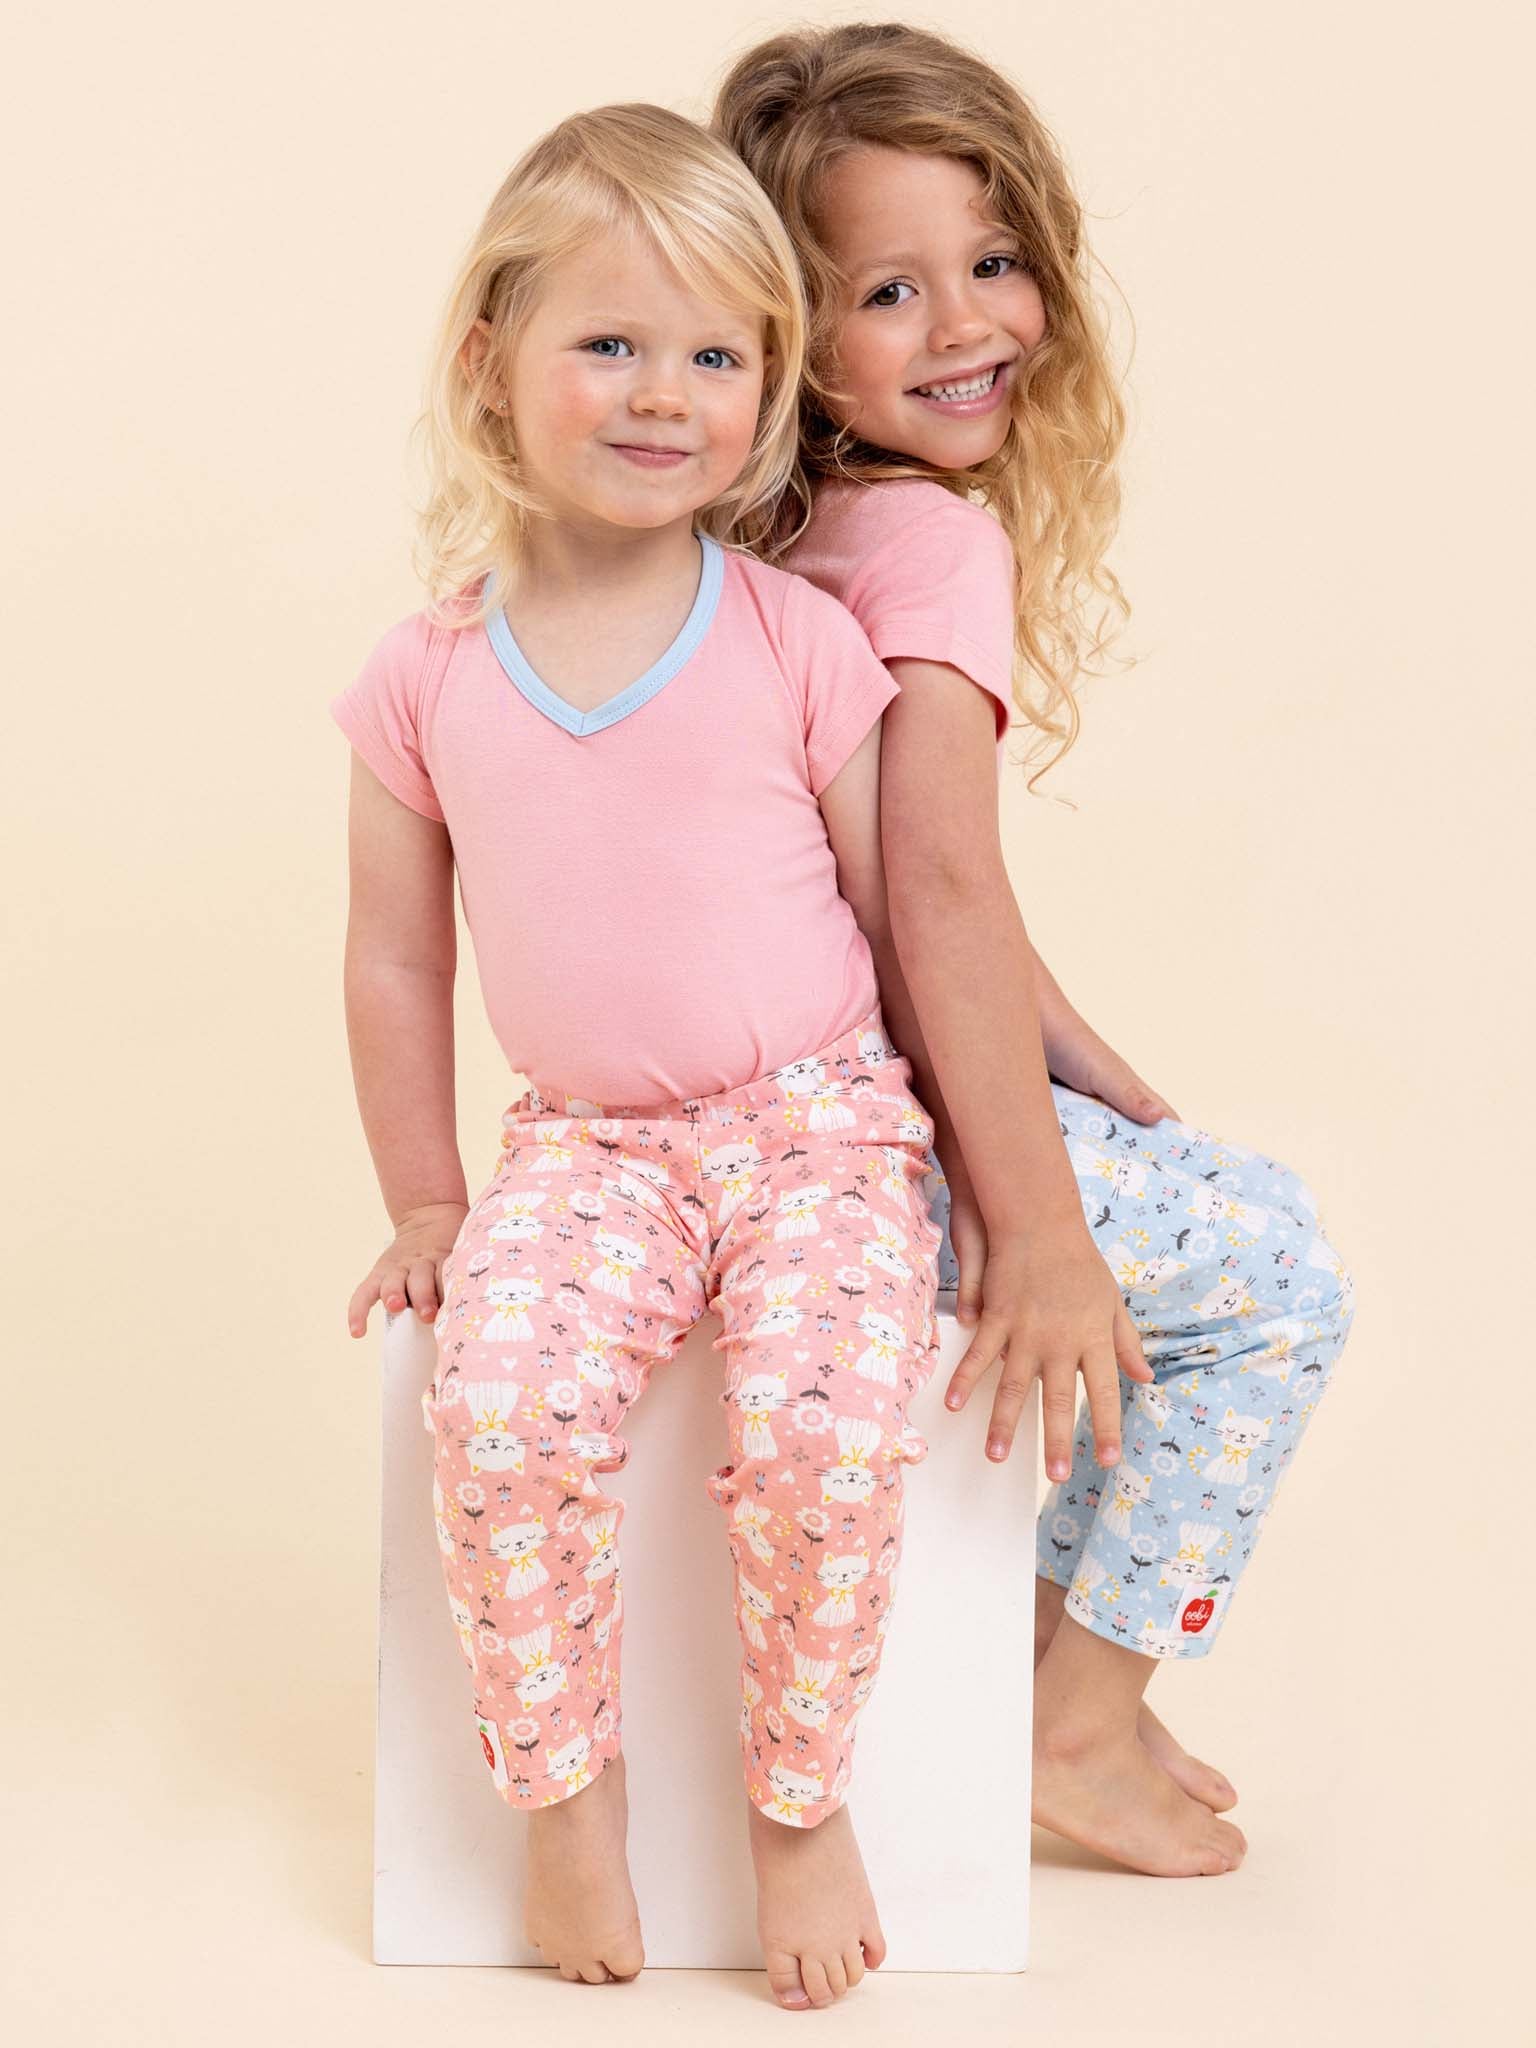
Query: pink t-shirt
(927, 574)
(649, 886)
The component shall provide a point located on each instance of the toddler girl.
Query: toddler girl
(956, 489)
(652, 761)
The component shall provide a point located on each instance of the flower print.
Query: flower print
(815, 1521)
(813, 1420)
(1250, 1497)
(1064, 1529)
(473, 1496)
(567, 1519)
(524, 1731)
(602, 1724)
(563, 1395)
(861, 1658)
(581, 1610)
(1165, 1463)
(773, 1724)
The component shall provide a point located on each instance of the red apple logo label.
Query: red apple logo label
(1197, 1614)
(485, 1744)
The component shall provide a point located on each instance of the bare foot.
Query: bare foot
(1108, 1793)
(816, 1915)
(1201, 1781)
(579, 1909)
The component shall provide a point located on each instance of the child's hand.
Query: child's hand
(1051, 1305)
(411, 1268)
(1080, 1059)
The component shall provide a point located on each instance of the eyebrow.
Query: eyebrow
(905, 259)
(603, 319)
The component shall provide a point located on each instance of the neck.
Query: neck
(566, 558)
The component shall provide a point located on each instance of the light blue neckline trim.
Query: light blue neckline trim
(579, 723)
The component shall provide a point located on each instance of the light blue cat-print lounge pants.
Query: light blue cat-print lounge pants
(1242, 1306)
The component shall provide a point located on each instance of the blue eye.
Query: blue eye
(1007, 263)
(881, 295)
(609, 347)
(714, 358)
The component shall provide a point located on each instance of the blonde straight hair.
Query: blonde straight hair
(628, 167)
(791, 108)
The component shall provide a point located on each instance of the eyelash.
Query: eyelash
(595, 346)
(894, 283)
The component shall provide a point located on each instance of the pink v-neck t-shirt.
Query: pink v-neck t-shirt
(649, 886)
(927, 574)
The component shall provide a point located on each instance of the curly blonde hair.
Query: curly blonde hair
(791, 108)
(637, 167)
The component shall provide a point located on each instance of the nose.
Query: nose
(958, 321)
(659, 394)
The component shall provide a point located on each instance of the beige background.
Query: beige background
(1292, 890)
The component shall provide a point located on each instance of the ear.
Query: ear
(473, 352)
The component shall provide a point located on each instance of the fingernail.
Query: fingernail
(951, 1400)
(1110, 1454)
(1058, 1468)
(997, 1448)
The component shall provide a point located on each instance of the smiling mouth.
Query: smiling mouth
(955, 390)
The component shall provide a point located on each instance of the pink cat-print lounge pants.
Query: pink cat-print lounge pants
(794, 1208)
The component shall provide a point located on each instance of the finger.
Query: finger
(1103, 1384)
(970, 1249)
(391, 1281)
(1058, 1411)
(1123, 1089)
(421, 1285)
(980, 1356)
(1128, 1352)
(361, 1303)
(1008, 1403)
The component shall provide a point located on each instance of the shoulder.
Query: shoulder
(867, 539)
(790, 604)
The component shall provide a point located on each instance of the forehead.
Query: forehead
(620, 278)
(881, 204)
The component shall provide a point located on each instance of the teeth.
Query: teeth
(978, 387)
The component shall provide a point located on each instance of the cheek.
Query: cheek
(733, 416)
(1025, 317)
(569, 402)
(872, 356)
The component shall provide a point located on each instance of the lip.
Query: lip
(969, 408)
(644, 457)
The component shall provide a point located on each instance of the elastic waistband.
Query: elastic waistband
(867, 1047)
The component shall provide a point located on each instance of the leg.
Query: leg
(1231, 1284)
(824, 1272)
(1200, 1780)
(535, 1371)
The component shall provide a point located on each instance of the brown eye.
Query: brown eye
(889, 294)
(995, 266)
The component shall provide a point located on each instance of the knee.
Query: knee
(552, 1435)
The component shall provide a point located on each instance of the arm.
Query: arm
(850, 804)
(399, 971)
(1049, 1299)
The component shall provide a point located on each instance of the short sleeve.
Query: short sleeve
(940, 588)
(839, 682)
(380, 713)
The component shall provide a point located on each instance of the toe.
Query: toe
(874, 1948)
(813, 1976)
(837, 1976)
(784, 1980)
(853, 1965)
(625, 1958)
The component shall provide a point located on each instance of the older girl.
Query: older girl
(956, 488)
